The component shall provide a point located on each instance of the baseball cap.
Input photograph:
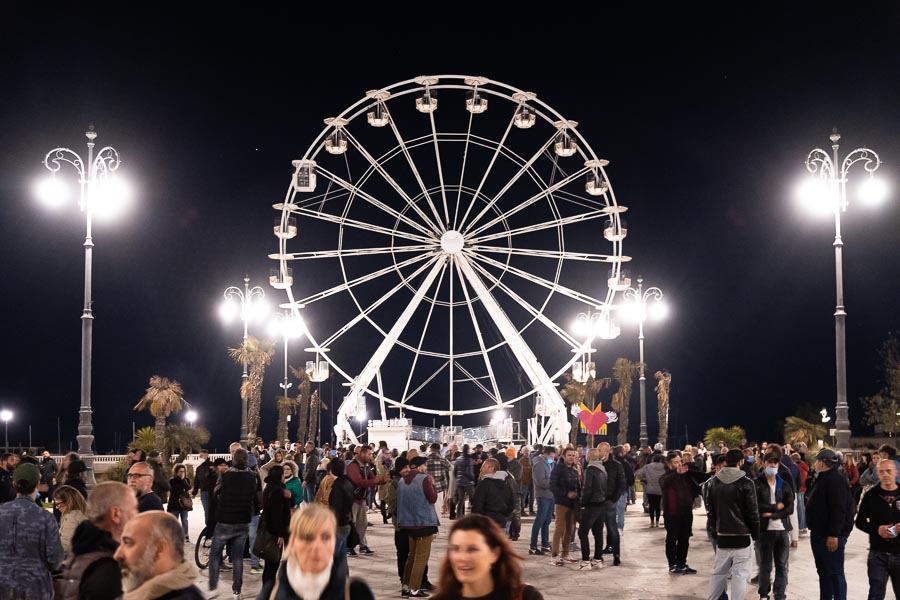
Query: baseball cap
(417, 462)
(827, 455)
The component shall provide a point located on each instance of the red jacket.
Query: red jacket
(804, 474)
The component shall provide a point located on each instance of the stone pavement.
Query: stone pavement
(643, 574)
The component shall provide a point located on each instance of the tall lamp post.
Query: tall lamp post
(6, 416)
(247, 303)
(287, 327)
(98, 192)
(827, 190)
(590, 325)
(638, 301)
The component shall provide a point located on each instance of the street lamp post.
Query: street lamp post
(639, 298)
(248, 300)
(6, 416)
(93, 175)
(831, 183)
(591, 325)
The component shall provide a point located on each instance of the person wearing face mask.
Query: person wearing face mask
(749, 467)
(775, 498)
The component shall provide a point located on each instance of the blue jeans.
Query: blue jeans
(309, 493)
(801, 510)
(183, 516)
(774, 547)
(830, 566)
(621, 505)
(528, 499)
(881, 567)
(542, 522)
(254, 559)
(340, 553)
(612, 526)
(204, 500)
(235, 535)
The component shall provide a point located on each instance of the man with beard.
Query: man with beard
(92, 573)
(151, 558)
(140, 479)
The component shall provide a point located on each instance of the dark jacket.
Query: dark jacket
(236, 496)
(564, 479)
(363, 477)
(615, 479)
(494, 498)
(678, 493)
(732, 508)
(784, 493)
(829, 505)
(204, 478)
(48, 470)
(337, 588)
(309, 469)
(874, 512)
(7, 491)
(464, 471)
(92, 557)
(79, 485)
(149, 501)
(628, 468)
(188, 593)
(179, 487)
(793, 469)
(160, 481)
(595, 485)
(341, 500)
(276, 510)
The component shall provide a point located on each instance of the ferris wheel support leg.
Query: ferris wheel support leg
(532, 368)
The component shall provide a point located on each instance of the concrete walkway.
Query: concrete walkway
(643, 574)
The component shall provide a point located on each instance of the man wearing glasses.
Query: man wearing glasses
(140, 479)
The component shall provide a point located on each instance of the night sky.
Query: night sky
(706, 119)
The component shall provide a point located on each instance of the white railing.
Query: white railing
(109, 459)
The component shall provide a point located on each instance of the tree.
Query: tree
(185, 440)
(881, 408)
(302, 402)
(731, 436)
(624, 371)
(662, 399)
(257, 354)
(162, 398)
(313, 433)
(577, 393)
(286, 406)
(144, 439)
(798, 430)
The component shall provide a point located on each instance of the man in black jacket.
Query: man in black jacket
(615, 493)
(566, 488)
(236, 503)
(879, 516)
(734, 513)
(679, 489)
(829, 516)
(204, 480)
(92, 572)
(775, 498)
(493, 497)
(593, 510)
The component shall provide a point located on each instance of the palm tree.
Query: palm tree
(302, 402)
(624, 371)
(577, 393)
(185, 439)
(257, 354)
(313, 434)
(662, 397)
(286, 406)
(162, 398)
(797, 430)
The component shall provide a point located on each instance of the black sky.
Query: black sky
(706, 118)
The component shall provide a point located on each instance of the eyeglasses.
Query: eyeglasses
(135, 475)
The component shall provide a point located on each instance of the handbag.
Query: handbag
(186, 502)
(266, 544)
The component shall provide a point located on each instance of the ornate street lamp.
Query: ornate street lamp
(826, 190)
(100, 193)
(637, 301)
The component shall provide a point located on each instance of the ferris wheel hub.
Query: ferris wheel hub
(452, 242)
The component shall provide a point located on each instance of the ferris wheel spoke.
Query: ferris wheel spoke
(360, 280)
(550, 285)
(354, 252)
(380, 169)
(477, 382)
(554, 254)
(361, 383)
(462, 174)
(415, 170)
(364, 314)
(402, 405)
(484, 353)
(412, 369)
(373, 201)
(540, 226)
(522, 170)
(523, 205)
(440, 170)
(537, 314)
(343, 221)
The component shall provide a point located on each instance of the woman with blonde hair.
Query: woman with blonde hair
(481, 563)
(309, 571)
(71, 505)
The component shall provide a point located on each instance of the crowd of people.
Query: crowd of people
(302, 513)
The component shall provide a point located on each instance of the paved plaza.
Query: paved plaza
(643, 574)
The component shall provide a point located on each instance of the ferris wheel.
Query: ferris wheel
(437, 255)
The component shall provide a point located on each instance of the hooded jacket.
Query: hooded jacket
(595, 485)
(540, 476)
(733, 508)
(494, 498)
(649, 474)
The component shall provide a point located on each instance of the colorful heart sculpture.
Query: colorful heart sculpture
(592, 421)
